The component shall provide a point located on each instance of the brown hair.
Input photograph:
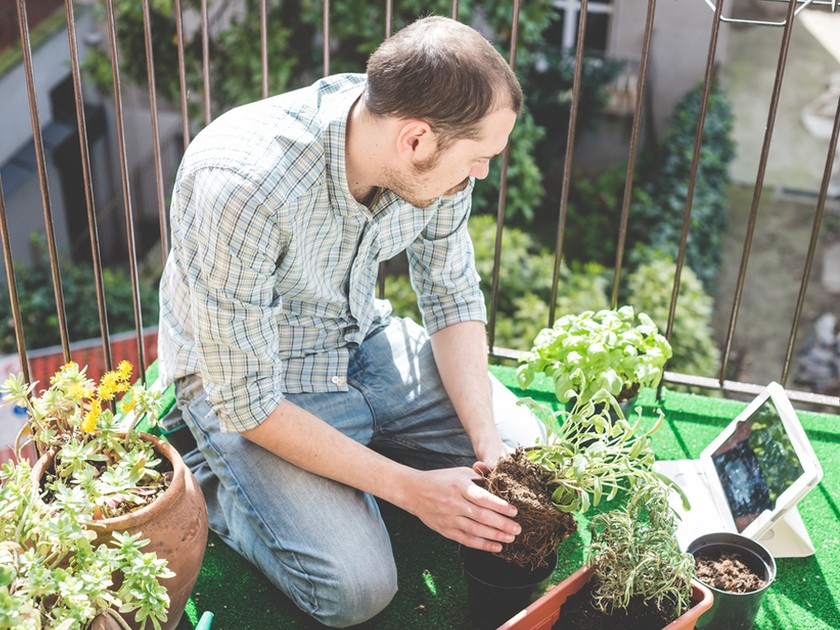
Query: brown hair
(441, 71)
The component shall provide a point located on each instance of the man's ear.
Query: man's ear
(416, 142)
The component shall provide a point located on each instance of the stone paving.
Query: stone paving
(793, 177)
(796, 161)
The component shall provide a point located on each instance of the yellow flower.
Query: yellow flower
(124, 368)
(76, 392)
(127, 405)
(108, 385)
(112, 382)
(92, 416)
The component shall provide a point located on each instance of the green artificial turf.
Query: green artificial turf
(432, 591)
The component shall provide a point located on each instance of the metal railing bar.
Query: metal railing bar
(383, 266)
(153, 111)
(751, 389)
(93, 230)
(205, 61)
(567, 161)
(264, 46)
(38, 141)
(453, 13)
(129, 214)
(326, 12)
(753, 22)
(182, 75)
(708, 79)
(812, 244)
(759, 184)
(500, 215)
(824, 3)
(632, 154)
(705, 382)
(11, 284)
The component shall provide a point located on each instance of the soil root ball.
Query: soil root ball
(522, 483)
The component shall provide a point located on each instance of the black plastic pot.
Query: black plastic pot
(497, 589)
(735, 611)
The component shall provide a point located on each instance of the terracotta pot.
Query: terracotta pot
(543, 613)
(175, 524)
(104, 621)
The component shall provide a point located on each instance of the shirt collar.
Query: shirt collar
(336, 113)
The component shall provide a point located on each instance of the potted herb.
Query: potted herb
(618, 350)
(636, 577)
(591, 453)
(99, 489)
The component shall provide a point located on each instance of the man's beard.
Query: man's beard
(404, 185)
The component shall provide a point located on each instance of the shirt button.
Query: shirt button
(339, 380)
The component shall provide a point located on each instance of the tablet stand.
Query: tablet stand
(788, 537)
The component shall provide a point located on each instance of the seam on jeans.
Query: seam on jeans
(417, 449)
(360, 387)
(255, 513)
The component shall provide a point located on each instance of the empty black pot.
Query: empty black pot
(734, 611)
(497, 589)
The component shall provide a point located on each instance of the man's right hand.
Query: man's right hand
(450, 502)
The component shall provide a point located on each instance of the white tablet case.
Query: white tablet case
(778, 527)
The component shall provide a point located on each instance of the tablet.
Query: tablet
(761, 465)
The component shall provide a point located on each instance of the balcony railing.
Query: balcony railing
(634, 85)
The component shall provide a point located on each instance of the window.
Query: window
(597, 24)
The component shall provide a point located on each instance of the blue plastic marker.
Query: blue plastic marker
(205, 622)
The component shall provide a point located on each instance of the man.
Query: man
(305, 398)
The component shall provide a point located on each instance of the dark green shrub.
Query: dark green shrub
(594, 214)
(524, 284)
(659, 196)
(657, 220)
(692, 339)
(132, 49)
(548, 74)
(38, 311)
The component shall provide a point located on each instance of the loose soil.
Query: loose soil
(727, 572)
(519, 481)
(578, 613)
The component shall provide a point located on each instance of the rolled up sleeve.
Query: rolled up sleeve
(231, 251)
(442, 267)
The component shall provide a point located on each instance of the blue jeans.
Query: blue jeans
(321, 542)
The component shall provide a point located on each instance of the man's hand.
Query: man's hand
(450, 502)
(492, 451)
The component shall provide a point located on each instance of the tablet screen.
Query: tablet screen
(756, 464)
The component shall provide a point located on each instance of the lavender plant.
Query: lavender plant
(635, 554)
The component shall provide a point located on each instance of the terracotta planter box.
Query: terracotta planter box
(543, 613)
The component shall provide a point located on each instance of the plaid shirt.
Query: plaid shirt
(272, 273)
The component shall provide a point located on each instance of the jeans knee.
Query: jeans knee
(356, 597)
